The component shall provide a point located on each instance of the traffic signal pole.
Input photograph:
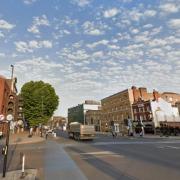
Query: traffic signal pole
(6, 150)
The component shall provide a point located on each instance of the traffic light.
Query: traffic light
(11, 105)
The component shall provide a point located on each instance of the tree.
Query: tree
(40, 102)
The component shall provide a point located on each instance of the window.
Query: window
(141, 109)
(148, 108)
(141, 118)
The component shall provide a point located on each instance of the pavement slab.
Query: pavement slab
(59, 165)
(30, 174)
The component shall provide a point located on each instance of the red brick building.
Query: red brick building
(4, 95)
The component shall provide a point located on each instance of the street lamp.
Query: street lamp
(9, 118)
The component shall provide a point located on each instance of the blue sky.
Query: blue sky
(89, 49)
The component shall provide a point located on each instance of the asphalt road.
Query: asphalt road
(105, 158)
(126, 158)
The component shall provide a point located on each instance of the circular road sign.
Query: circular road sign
(9, 117)
(1, 117)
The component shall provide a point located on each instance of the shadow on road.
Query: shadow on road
(103, 166)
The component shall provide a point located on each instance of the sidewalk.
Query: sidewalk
(58, 164)
(22, 138)
(30, 174)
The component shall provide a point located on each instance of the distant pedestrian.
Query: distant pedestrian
(114, 134)
(46, 135)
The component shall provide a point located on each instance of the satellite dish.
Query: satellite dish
(9, 117)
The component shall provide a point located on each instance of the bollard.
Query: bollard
(23, 165)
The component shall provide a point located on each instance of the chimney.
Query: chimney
(143, 93)
(136, 93)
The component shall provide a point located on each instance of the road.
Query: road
(126, 158)
(104, 158)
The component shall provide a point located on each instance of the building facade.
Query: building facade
(131, 104)
(4, 95)
(163, 111)
(116, 108)
(58, 121)
(78, 113)
(171, 97)
(178, 106)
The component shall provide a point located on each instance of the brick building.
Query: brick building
(4, 95)
(177, 104)
(171, 97)
(57, 121)
(116, 108)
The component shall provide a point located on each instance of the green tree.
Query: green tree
(40, 102)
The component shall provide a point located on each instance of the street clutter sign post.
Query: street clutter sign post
(9, 118)
(1, 117)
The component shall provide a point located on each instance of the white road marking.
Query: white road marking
(168, 147)
(100, 154)
(97, 153)
(136, 142)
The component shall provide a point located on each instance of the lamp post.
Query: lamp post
(9, 118)
(12, 73)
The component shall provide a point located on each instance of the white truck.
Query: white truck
(78, 131)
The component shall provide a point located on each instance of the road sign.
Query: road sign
(1, 117)
(9, 117)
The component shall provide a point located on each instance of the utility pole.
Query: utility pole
(5, 149)
(12, 74)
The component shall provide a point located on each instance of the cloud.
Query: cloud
(91, 29)
(111, 12)
(37, 22)
(5, 25)
(135, 15)
(169, 8)
(2, 55)
(174, 23)
(150, 13)
(1, 35)
(82, 3)
(24, 47)
(95, 44)
(29, 1)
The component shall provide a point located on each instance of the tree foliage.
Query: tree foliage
(40, 102)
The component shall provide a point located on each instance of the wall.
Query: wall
(163, 111)
(4, 96)
(116, 108)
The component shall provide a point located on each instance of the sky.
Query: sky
(90, 49)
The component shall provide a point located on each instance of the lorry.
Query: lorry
(79, 131)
